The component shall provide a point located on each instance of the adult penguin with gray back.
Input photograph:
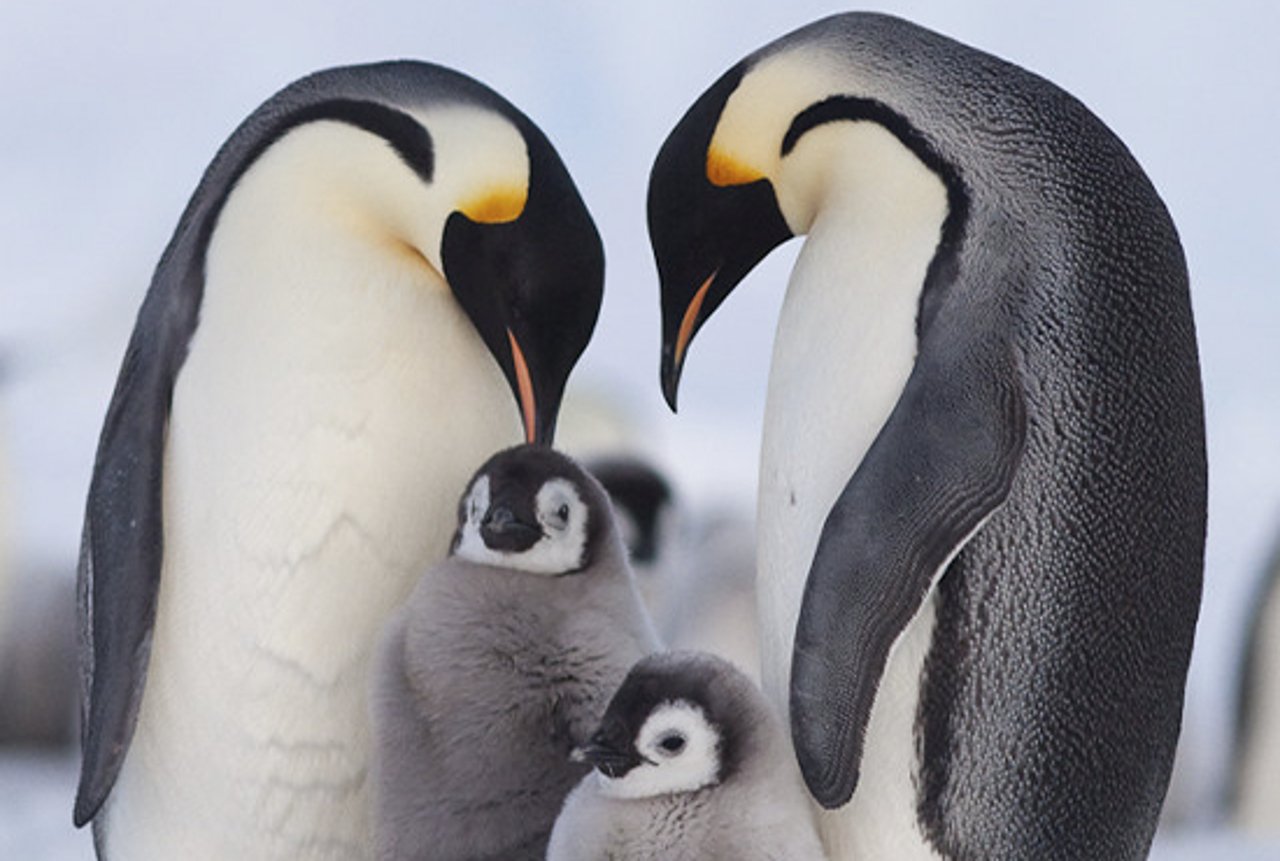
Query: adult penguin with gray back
(376, 262)
(501, 663)
(982, 487)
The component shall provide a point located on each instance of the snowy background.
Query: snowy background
(110, 113)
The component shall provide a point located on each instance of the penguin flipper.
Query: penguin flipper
(122, 545)
(943, 461)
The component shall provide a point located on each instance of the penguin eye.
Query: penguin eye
(562, 513)
(672, 744)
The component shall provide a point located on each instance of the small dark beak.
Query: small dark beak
(504, 532)
(606, 758)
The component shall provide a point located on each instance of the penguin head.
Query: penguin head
(740, 174)
(680, 722)
(532, 509)
(522, 257)
(439, 173)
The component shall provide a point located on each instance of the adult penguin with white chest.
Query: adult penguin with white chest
(982, 488)
(376, 261)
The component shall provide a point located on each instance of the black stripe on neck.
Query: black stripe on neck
(944, 266)
(404, 134)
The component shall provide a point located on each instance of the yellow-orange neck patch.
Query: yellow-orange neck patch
(723, 169)
(496, 205)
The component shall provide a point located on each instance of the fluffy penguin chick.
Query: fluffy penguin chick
(500, 663)
(690, 764)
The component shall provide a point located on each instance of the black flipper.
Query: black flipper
(944, 460)
(122, 547)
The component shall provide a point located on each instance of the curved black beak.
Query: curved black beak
(675, 345)
(537, 414)
(670, 375)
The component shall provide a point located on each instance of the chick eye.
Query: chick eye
(562, 513)
(672, 744)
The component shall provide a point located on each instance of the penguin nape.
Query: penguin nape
(375, 263)
(501, 663)
(690, 763)
(982, 485)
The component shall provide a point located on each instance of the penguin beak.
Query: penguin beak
(606, 758)
(538, 395)
(675, 350)
(535, 426)
(504, 532)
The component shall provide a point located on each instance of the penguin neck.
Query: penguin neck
(323, 194)
(844, 347)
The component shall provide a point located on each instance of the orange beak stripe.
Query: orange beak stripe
(690, 318)
(525, 384)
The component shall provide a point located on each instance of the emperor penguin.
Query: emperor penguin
(691, 763)
(501, 663)
(375, 263)
(981, 507)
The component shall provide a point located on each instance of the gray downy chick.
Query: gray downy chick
(690, 764)
(501, 663)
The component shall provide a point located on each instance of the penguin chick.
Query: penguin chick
(500, 663)
(650, 523)
(695, 568)
(690, 764)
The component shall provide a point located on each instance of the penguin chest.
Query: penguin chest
(845, 346)
(323, 426)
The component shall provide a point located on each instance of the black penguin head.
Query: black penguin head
(680, 722)
(527, 266)
(711, 220)
(740, 174)
(530, 508)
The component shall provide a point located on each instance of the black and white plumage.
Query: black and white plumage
(376, 263)
(690, 764)
(501, 663)
(982, 488)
